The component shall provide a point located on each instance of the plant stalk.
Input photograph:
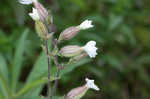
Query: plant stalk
(58, 69)
(49, 68)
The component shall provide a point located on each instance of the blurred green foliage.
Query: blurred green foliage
(121, 30)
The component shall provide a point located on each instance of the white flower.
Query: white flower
(90, 84)
(86, 24)
(27, 1)
(34, 15)
(90, 48)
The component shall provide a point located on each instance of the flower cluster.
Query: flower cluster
(43, 21)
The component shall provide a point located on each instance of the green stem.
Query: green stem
(55, 43)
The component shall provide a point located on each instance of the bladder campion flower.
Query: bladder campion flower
(43, 13)
(72, 31)
(27, 1)
(86, 24)
(90, 84)
(79, 92)
(34, 15)
(90, 48)
(74, 50)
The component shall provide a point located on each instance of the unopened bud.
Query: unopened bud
(71, 50)
(41, 29)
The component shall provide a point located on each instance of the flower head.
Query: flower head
(90, 84)
(27, 1)
(34, 15)
(86, 24)
(90, 48)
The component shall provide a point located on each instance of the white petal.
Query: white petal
(90, 49)
(86, 24)
(25, 1)
(34, 15)
(90, 84)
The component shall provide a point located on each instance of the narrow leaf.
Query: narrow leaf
(34, 84)
(3, 68)
(18, 59)
(4, 88)
(73, 66)
(39, 70)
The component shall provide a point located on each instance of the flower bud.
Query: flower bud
(79, 92)
(41, 29)
(70, 51)
(70, 32)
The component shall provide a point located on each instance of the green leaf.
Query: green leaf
(34, 84)
(3, 68)
(18, 59)
(1, 96)
(59, 97)
(73, 66)
(4, 88)
(32, 97)
(39, 70)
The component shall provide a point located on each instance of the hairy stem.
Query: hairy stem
(49, 68)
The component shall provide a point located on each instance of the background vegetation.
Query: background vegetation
(121, 30)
